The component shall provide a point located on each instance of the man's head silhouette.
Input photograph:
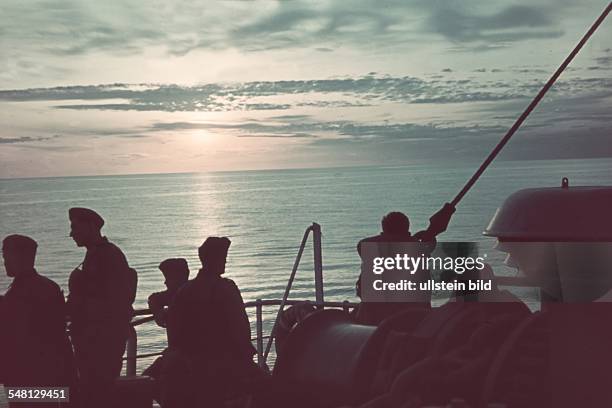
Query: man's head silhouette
(176, 272)
(213, 254)
(19, 253)
(85, 226)
(395, 223)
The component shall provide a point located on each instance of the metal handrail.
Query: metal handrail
(316, 230)
(262, 355)
(132, 356)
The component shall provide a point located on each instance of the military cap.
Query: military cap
(214, 246)
(174, 266)
(77, 214)
(19, 243)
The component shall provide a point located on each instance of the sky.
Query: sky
(121, 87)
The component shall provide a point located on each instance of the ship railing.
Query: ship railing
(144, 316)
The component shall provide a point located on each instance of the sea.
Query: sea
(265, 213)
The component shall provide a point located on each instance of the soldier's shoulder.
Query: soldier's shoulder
(228, 285)
(47, 282)
(107, 252)
(227, 282)
(373, 238)
(112, 248)
(44, 286)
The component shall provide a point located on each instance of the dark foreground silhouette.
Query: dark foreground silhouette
(396, 231)
(102, 290)
(176, 274)
(34, 347)
(210, 354)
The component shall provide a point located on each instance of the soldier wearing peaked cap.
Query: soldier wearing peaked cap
(34, 347)
(102, 291)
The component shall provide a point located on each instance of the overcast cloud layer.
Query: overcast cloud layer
(130, 86)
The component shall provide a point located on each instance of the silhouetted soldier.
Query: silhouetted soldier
(396, 230)
(100, 306)
(176, 274)
(34, 346)
(209, 336)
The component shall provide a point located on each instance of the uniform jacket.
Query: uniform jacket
(207, 319)
(103, 290)
(34, 346)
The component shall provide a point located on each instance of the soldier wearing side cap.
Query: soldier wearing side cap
(34, 347)
(102, 291)
(209, 336)
(176, 274)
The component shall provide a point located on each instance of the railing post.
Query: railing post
(318, 264)
(296, 264)
(132, 347)
(259, 327)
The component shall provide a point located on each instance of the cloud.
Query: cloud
(299, 23)
(291, 118)
(489, 31)
(309, 127)
(131, 156)
(572, 122)
(572, 143)
(475, 145)
(290, 136)
(25, 139)
(176, 107)
(605, 59)
(288, 127)
(89, 92)
(70, 28)
(284, 95)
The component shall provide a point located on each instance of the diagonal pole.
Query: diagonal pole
(530, 107)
